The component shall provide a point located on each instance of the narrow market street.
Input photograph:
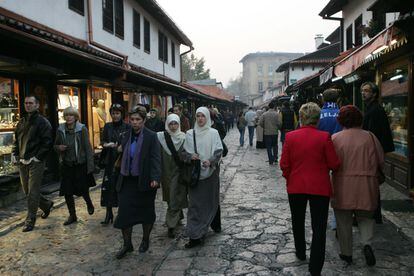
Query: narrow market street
(256, 237)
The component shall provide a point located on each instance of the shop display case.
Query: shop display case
(6, 147)
(9, 117)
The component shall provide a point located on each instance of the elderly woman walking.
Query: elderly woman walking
(140, 175)
(173, 191)
(355, 184)
(203, 146)
(308, 156)
(77, 166)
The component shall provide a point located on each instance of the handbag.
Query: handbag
(380, 174)
(196, 170)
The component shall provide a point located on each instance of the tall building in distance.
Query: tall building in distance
(259, 72)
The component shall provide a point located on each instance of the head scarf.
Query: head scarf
(177, 137)
(204, 129)
(207, 139)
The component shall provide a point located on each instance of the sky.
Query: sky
(223, 31)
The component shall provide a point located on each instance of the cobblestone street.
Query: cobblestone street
(256, 237)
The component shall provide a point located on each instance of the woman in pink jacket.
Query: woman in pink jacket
(355, 184)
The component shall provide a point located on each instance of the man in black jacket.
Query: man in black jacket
(376, 121)
(33, 143)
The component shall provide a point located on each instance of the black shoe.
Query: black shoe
(91, 210)
(193, 243)
(347, 259)
(217, 230)
(171, 233)
(108, 219)
(71, 219)
(369, 255)
(124, 250)
(27, 227)
(46, 213)
(301, 257)
(143, 247)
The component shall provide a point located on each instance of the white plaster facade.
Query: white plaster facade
(353, 10)
(56, 15)
(297, 72)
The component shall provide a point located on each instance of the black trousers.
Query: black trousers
(319, 206)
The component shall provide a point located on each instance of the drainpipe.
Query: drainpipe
(341, 21)
(98, 45)
(181, 61)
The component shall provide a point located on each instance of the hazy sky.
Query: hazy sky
(223, 31)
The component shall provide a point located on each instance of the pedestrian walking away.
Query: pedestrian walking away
(202, 144)
(113, 134)
(32, 145)
(250, 117)
(289, 121)
(77, 162)
(270, 121)
(329, 123)
(355, 183)
(307, 179)
(241, 126)
(259, 129)
(376, 121)
(174, 191)
(138, 181)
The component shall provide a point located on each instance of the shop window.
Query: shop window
(9, 117)
(67, 97)
(147, 36)
(394, 92)
(349, 37)
(137, 29)
(101, 102)
(77, 6)
(260, 70)
(162, 47)
(172, 54)
(358, 31)
(119, 18)
(108, 15)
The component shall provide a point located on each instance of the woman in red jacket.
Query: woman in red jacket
(308, 156)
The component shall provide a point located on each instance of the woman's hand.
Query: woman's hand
(206, 163)
(119, 148)
(195, 156)
(154, 184)
(61, 147)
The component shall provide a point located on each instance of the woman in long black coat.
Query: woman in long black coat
(112, 136)
(138, 183)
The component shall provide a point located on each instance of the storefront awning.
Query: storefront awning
(384, 42)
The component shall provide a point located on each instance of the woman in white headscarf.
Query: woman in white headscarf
(204, 196)
(173, 191)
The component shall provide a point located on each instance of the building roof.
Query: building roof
(212, 91)
(321, 56)
(333, 7)
(153, 8)
(335, 36)
(270, 54)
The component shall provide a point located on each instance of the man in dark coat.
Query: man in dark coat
(33, 144)
(376, 121)
(375, 118)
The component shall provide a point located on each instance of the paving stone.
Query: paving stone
(263, 248)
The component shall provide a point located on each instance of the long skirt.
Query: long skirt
(204, 200)
(75, 180)
(134, 206)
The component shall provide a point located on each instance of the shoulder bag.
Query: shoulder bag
(195, 173)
